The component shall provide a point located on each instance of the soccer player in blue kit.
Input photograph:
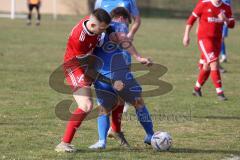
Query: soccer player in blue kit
(115, 66)
(131, 6)
(225, 35)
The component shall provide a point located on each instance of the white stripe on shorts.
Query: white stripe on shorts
(204, 50)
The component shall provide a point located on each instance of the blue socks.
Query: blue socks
(145, 120)
(223, 49)
(103, 127)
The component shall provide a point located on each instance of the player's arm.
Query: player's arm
(190, 22)
(136, 19)
(92, 73)
(227, 18)
(136, 25)
(127, 44)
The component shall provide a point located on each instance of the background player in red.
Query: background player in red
(82, 40)
(212, 15)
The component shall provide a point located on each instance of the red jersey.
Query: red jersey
(210, 26)
(81, 42)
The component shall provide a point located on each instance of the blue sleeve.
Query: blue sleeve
(134, 8)
(98, 4)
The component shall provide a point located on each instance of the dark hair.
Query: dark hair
(102, 15)
(121, 11)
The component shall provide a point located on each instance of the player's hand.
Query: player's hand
(146, 61)
(222, 16)
(186, 41)
(130, 36)
(118, 85)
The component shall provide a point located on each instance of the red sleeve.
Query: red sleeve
(229, 15)
(197, 12)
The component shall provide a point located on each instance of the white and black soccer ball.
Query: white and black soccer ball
(161, 141)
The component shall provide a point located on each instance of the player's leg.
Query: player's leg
(82, 95)
(106, 99)
(204, 72)
(103, 123)
(132, 94)
(211, 49)
(38, 14)
(223, 47)
(30, 8)
(117, 117)
(145, 119)
(204, 69)
(85, 105)
(115, 129)
(216, 79)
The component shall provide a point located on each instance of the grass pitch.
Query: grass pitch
(29, 128)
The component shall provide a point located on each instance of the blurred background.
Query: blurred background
(163, 8)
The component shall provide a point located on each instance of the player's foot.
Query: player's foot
(65, 147)
(197, 93)
(29, 23)
(223, 59)
(147, 139)
(119, 136)
(38, 23)
(221, 69)
(222, 97)
(98, 146)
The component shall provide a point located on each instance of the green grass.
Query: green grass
(29, 128)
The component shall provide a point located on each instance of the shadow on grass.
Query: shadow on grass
(173, 150)
(218, 117)
(210, 151)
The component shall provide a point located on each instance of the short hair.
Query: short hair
(102, 15)
(121, 11)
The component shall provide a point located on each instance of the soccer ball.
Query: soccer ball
(161, 141)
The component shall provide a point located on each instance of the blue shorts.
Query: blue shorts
(107, 96)
(225, 31)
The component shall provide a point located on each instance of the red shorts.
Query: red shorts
(210, 49)
(75, 75)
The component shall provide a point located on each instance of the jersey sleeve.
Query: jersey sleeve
(229, 15)
(98, 4)
(134, 8)
(197, 12)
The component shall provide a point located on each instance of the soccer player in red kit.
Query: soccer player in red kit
(212, 15)
(82, 40)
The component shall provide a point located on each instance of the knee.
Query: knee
(87, 106)
(139, 103)
(206, 67)
(214, 65)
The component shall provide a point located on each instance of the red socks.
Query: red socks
(116, 118)
(216, 78)
(75, 121)
(202, 78)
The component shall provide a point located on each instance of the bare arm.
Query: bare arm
(127, 44)
(135, 27)
(186, 37)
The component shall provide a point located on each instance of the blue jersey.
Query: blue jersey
(109, 5)
(111, 54)
(229, 2)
